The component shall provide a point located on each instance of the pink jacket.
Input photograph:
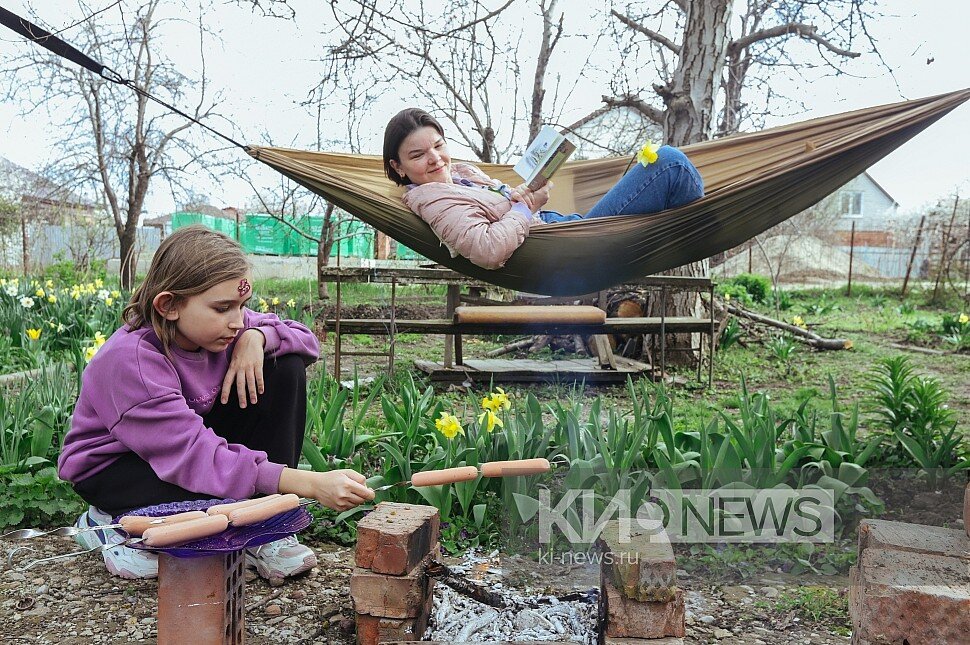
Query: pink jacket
(470, 221)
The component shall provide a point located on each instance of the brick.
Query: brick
(628, 618)
(640, 565)
(901, 596)
(378, 594)
(914, 538)
(201, 600)
(394, 538)
(372, 630)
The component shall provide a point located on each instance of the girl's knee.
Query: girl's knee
(288, 370)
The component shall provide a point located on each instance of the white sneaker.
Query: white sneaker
(121, 561)
(281, 559)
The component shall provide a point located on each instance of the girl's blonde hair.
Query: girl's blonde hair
(191, 260)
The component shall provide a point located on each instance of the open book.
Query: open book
(547, 152)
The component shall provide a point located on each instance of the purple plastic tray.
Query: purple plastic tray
(233, 538)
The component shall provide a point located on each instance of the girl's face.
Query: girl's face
(424, 157)
(210, 320)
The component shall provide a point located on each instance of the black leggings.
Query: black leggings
(274, 425)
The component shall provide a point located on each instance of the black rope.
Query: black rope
(49, 41)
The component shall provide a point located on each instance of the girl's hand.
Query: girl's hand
(246, 367)
(339, 490)
(541, 196)
(533, 199)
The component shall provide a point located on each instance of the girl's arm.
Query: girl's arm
(283, 336)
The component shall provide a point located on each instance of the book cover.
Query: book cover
(544, 156)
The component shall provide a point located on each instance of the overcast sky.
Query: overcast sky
(265, 67)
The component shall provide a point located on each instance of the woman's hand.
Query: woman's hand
(533, 199)
(339, 490)
(246, 368)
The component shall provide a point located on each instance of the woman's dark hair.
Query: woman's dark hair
(398, 129)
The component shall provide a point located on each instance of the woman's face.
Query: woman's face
(424, 157)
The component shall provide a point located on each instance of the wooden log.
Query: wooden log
(803, 335)
(510, 347)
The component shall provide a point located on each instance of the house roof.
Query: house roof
(881, 189)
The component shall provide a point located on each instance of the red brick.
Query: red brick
(627, 618)
(901, 596)
(914, 538)
(394, 538)
(372, 630)
(640, 565)
(201, 600)
(378, 594)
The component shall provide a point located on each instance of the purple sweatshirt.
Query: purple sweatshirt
(135, 399)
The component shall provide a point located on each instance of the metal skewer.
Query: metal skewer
(65, 531)
(63, 556)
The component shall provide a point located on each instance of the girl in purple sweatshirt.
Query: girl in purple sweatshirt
(197, 396)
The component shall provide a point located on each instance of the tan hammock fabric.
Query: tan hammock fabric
(753, 182)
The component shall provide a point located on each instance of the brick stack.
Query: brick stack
(392, 595)
(638, 591)
(201, 600)
(911, 584)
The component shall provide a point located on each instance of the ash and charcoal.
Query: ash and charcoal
(528, 616)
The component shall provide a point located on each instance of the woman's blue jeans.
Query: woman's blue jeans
(669, 182)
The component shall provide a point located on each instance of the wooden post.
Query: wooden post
(749, 258)
(946, 244)
(912, 256)
(848, 290)
(452, 301)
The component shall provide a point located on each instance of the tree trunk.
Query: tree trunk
(689, 95)
(127, 270)
(689, 98)
(324, 249)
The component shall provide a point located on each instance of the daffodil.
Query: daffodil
(263, 306)
(275, 301)
(109, 301)
(39, 293)
(11, 290)
(98, 283)
(798, 322)
(489, 420)
(448, 425)
(963, 319)
(648, 153)
(727, 297)
(99, 339)
(49, 284)
(115, 294)
(103, 294)
(89, 353)
(33, 334)
(52, 298)
(291, 303)
(496, 401)
(26, 302)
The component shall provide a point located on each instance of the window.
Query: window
(852, 203)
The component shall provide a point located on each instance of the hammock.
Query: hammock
(752, 182)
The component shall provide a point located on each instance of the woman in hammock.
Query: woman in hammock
(485, 220)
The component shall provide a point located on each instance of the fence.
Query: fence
(267, 235)
(45, 244)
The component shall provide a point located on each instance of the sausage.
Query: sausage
(138, 524)
(175, 534)
(225, 509)
(260, 512)
(444, 476)
(515, 468)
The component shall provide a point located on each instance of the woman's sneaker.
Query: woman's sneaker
(120, 560)
(281, 559)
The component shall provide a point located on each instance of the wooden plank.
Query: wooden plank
(443, 326)
(531, 371)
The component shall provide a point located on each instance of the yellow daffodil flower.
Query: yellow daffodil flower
(496, 401)
(109, 301)
(275, 301)
(727, 297)
(488, 419)
(115, 294)
(52, 298)
(448, 425)
(89, 353)
(99, 339)
(33, 334)
(798, 322)
(98, 283)
(39, 293)
(263, 306)
(49, 284)
(648, 153)
(291, 302)
(963, 319)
